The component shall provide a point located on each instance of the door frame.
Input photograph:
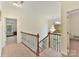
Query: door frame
(68, 29)
(4, 29)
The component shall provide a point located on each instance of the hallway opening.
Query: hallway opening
(11, 31)
(73, 32)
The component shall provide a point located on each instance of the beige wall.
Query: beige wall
(66, 6)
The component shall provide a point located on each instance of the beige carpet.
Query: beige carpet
(11, 39)
(16, 50)
(19, 50)
(74, 48)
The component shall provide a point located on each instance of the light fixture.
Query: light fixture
(18, 3)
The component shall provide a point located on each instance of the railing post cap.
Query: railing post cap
(38, 34)
(48, 32)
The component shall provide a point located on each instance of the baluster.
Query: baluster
(37, 45)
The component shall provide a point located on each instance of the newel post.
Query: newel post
(37, 53)
(49, 39)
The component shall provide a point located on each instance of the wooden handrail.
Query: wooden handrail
(48, 35)
(44, 38)
(55, 34)
(32, 34)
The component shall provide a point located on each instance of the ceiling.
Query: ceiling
(52, 9)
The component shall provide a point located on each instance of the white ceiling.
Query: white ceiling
(52, 9)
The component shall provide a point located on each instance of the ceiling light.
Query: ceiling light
(18, 3)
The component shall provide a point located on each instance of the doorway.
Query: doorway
(73, 32)
(11, 31)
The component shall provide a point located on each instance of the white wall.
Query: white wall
(0, 31)
(35, 19)
(50, 23)
(9, 11)
(0, 36)
(32, 17)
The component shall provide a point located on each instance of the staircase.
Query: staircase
(43, 47)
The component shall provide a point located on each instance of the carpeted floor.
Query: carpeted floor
(16, 50)
(12, 49)
(11, 40)
(19, 50)
(74, 48)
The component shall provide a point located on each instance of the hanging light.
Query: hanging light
(18, 3)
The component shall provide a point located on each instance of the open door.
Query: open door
(73, 32)
(11, 30)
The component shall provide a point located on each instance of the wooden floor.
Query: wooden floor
(20, 50)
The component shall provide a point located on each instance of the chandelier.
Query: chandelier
(18, 3)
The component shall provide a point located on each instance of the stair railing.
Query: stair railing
(31, 41)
